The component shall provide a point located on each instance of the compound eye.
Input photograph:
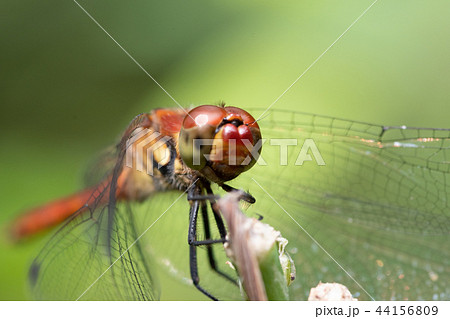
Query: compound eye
(219, 142)
(197, 134)
(246, 134)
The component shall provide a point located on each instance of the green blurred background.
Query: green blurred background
(67, 90)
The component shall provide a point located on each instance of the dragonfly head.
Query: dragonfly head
(219, 142)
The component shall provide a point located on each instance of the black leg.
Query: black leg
(209, 248)
(194, 272)
(192, 234)
(216, 213)
(193, 213)
(195, 197)
(246, 196)
(217, 217)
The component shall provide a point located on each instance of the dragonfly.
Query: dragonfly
(363, 205)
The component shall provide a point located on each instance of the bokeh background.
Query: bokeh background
(67, 90)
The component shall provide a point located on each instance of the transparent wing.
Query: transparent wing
(379, 206)
(96, 254)
(80, 263)
(101, 166)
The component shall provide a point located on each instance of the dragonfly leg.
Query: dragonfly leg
(209, 248)
(203, 197)
(193, 214)
(246, 196)
(194, 272)
(216, 213)
(207, 242)
(217, 217)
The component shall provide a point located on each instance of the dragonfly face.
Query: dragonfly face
(375, 217)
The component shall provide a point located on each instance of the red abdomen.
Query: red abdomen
(50, 214)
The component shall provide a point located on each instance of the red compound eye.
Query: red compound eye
(204, 115)
(218, 141)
